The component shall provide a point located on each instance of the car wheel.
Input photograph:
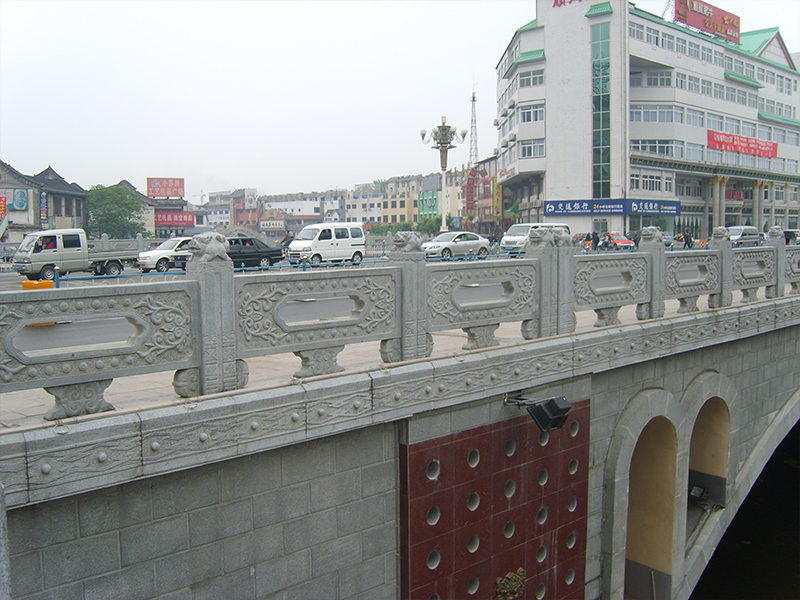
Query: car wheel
(483, 251)
(446, 253)
(47, 273)
(266, 261)
(145, 270)
(356, 258)
(316, 259)
(113, 269)
(162, 266)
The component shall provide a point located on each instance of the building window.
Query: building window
(719, 58)
(714, 155)
(765, 133)
(635, 182)
(651, 183)
(531, 148)
(662, 79)
(680, 45)
(748, 129)
(695, 117)
(707, 54)
(694, 50)
(636, 79)
(694, 151)
(714, 121)
(636, 31)
(694, 83)
(780, 193)
(779, 135)
(531, 113)
(689, 187)
(732, 125)
(601, 110)
(652, 36)
(680, 81)
(531, 78)
(730, 93)
(668, 41)
(706, 87)
(748, 160)
(58, 206)
(779, 164)
(750, 70)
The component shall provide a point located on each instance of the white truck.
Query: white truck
(40, 254)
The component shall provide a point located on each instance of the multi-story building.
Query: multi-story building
(218, 210)
(400, 199)
(611, 118)
(365, 206)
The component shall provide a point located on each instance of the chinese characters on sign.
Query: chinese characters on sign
(3, 208)
(174, 219)
(708, 18)
(624, 206)
(739, 143)
(164, 188)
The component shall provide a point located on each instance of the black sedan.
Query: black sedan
(252, 252)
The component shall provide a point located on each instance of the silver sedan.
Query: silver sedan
(456, 243)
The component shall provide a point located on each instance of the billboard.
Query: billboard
(738, 143)
(174, 219)
(708, 18)
(158, 187)
(621, 206)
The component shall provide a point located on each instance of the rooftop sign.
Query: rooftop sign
(708, 18)
(165, 188)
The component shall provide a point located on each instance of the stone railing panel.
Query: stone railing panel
(295, 311)
(753, 268)
(159, 334)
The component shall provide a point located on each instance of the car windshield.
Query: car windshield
(445, 237)
(518, 230)
(736, 230)
(307, 234)
(27, 243)
(168, 245)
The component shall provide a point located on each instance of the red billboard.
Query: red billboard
(739, 143)
(162, 187)
(708, 18)
(174, 219)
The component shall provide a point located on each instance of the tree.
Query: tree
(115, 211)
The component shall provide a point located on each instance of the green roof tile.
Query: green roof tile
(531, 56)
(778, 119)
(738, 77)
(603, 8)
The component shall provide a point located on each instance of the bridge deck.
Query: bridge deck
(23, 410)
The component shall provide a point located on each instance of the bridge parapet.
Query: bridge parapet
(204, 328)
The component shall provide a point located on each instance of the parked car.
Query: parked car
(160, 257)
(334, 242)
(744, 235)
(515, 240)
(456, 243)
(252, 252)
(615, 241)
(634, 235)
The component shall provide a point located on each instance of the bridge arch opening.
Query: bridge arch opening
(651, 512)
(709, 454)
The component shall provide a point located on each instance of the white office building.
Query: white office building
(611, 118)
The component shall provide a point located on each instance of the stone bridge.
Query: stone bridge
(393, 459)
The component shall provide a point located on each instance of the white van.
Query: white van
(515, 240)
(333, 242)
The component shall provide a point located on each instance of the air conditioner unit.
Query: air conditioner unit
(504, 113)
(512, 103)
(512, 137)
(504, 144)
(496, 123)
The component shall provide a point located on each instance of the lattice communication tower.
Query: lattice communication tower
(473, 135)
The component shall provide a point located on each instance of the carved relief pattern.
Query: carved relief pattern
(166, 335)
(78, 399)
(765, 277)
(709, 283)
(791, 271)
(375, 296)
(586, 270)
(443, 284)
(172, 327)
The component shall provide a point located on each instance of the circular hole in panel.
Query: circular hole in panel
(433, 470)
(541, 554)
(434, 558)
(544, 437)
(511, 447)
(509, 529)
(573, 428)
(473, 585)
(540, 591)
(473, 544)
(543, 476)
(572, 504)
(433, 515)
(511, 488)
(473, 501)
(571, 539)
(542, 516)
(570, 577)
(573, 466)
(474, 458)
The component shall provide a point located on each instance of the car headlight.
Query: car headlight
(306, 249)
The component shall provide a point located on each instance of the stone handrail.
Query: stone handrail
(205, 327)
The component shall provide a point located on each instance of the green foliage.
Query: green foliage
(115, 211)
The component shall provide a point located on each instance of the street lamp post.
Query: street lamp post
(443, 137)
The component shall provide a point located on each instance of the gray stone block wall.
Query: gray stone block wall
(315, 520)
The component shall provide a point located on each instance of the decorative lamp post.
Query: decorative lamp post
(443, 137)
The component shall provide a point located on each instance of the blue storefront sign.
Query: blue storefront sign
(622, 206)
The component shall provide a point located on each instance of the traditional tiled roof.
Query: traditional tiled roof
(50, 181)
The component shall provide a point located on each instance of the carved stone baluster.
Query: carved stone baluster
(721, 240)
(480, 337)
(321, 361)
(78, 399)
(688, 305)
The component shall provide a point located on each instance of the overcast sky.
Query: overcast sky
(279, 96)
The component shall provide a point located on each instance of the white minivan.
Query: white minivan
(334, 242)
(515, 240)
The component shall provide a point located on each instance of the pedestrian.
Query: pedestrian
(688, 242)
(595, 240)
(287, 238)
